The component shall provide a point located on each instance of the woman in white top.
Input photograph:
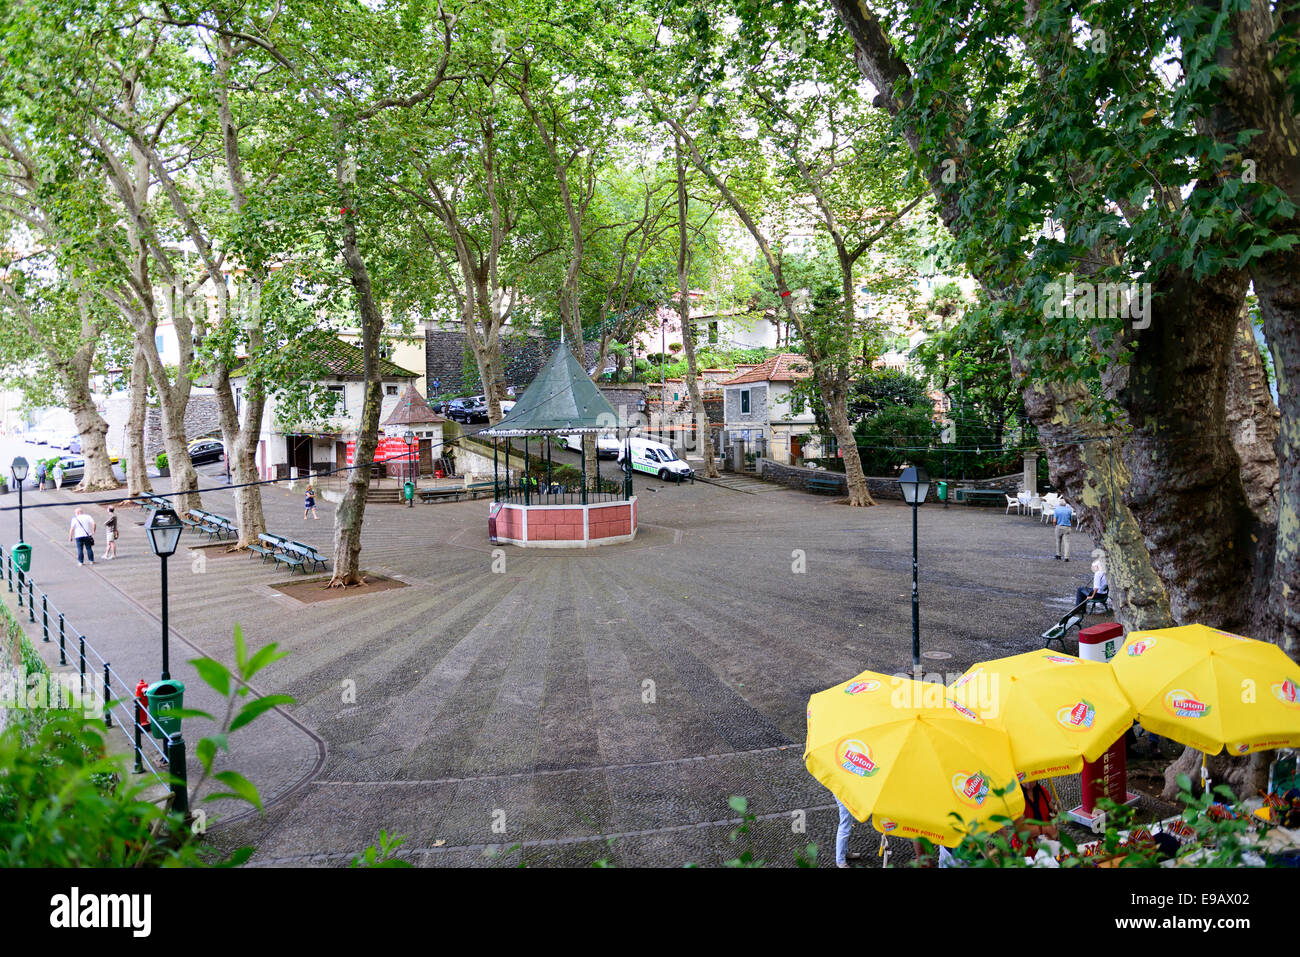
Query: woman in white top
(82, 531)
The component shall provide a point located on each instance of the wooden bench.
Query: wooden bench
(824, 483)
(1071, 619)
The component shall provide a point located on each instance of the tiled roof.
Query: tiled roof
(344, 360)
(412, 409)
(786, 367)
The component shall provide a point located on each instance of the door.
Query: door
(426, 456)
(340, 456)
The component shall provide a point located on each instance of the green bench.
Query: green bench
(1070, 620)
(825, 483)
(268, 547)
(307, 554)
(974, 496)
(437, 494)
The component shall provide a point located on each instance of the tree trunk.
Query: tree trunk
(91, 428)
(684, 312)
(1253, 421)
(1184, 476)
(241, 453)
(137, 474)
(1085, 462)
(836, 398)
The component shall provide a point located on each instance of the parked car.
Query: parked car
(74, 468)
(466, 411)
(74, 445)
(205, 451)
(656, 459)
(608, 445)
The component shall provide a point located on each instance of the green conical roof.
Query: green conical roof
(561, 399)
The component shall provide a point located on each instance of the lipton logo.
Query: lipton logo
(1061, 659)
(886, 825)
(967, 678)
(1184, 704)
(1077, 718)
(971, 788)
(858, 687)
(1137, 649)
(1241, 748)
(1286, 692)
(855, 758)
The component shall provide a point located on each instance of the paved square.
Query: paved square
(572, 705)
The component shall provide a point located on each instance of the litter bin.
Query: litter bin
(22, 557)
(408, 491)
(943, 491)
(165, 697)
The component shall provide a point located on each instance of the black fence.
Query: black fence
(122, 709)
(539, 492)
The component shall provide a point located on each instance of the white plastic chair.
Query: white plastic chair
(1013, 502)
(1035, 505)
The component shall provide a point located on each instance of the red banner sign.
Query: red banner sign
(387, 450)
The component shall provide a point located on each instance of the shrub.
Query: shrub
(161, 461)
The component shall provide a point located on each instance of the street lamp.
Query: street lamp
(409, 439)
(915, 483)
(19, 469)
(164, 530)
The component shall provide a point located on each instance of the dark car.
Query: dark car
(466, 411)
(207, 451)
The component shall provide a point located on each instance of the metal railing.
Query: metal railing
(523, 492)
(133, 719)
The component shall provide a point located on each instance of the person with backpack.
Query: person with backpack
(82, 530)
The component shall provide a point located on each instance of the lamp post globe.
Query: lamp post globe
(915, 485)
(164, 530)
(19, 469)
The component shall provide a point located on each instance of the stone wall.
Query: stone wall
(880, 487)
(201, 419)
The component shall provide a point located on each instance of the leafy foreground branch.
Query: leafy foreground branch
(65, 801)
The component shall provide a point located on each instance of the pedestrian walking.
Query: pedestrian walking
(58, 475)
(40, 475)
(309, 505)
(1064, 515)
(110, 532)
(82, 531)
(842, 853)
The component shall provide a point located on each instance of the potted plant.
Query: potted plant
(161, 462)
(4, 485)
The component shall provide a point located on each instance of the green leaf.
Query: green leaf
(251, 711)
(214, 674)
(261, 658)
(240, 788)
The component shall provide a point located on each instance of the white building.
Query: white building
(327, 444)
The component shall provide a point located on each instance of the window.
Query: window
(158, 344)
(713, 332)
(744, 401)
(385, 350)
(391, 389)
(341, 402)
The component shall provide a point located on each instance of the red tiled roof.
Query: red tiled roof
(787, 367)
(412, 409)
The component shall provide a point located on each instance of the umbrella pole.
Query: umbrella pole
(1055, 797)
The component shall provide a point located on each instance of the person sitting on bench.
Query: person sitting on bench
(1100, 586)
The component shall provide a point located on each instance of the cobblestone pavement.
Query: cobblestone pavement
(559, 707)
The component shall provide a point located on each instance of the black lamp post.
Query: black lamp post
(915, 483)
(409, 439)
(164, 528)
(19, 469)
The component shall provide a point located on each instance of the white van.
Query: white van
(656, 459)
(608, 446)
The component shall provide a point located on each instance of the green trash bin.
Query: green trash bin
(165, 697)
(408, 490)
(22, 556)
(943, 491)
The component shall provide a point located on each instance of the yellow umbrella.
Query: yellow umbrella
(898, 749)
(1210, 689)
(1058, 710)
